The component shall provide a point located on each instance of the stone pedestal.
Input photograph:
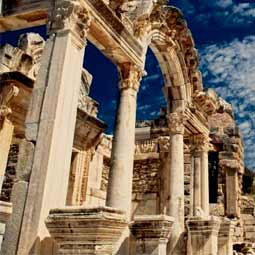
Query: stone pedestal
(225, 242)
(203, 235)
(5, 213)
(86, 230)
(152, 233)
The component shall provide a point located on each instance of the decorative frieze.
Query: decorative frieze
(70, 15)
(146, 146)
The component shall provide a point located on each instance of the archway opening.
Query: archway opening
(150, 97)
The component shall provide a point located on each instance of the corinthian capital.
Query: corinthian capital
(201, 143)
(70, 15)
(176, 122)
(130, 76)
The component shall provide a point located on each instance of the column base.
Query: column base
(203, 235)
(225, 237)
(86, 230)
(152, 233)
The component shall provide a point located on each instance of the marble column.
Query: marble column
(51, 119)
(201, 182)
(176, 173)
(205, 177)
(119, 193)
(197, 181)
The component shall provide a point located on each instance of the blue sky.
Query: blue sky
(224, 33)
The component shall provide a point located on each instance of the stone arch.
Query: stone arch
(173, 44)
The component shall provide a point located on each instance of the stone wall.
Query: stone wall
(146, 186)
(10, 174)
(105, 174)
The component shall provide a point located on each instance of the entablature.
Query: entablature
(106, 31)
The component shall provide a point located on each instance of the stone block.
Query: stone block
(203, 235)
(25, 160)
(86, 230)
(232, 131)
(152, 233)
(13, 226)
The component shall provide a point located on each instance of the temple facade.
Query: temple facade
(169, 186)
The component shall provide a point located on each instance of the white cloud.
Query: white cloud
(230, 69)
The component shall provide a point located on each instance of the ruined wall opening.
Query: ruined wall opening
(213, 159)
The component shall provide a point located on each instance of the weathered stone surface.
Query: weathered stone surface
(86, 230)
(152, 233)
(203, 235)
(13, 226)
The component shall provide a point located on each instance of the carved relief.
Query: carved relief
(130, 76)
(146, 146)
(142, 27)
(10, 58)
(164, 143)
(6, 96)
(33, 45)
(70, 15)
(176, 122)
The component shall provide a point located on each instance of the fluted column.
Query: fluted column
(51, 117)
(176, 173)
(119, 194)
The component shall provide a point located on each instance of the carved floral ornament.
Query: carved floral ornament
(130, 76)
(70, 15)
(176, 122)
(6, 96)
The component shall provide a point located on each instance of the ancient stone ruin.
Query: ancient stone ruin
(168, 186)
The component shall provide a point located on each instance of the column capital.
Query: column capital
(6, 95)
(130, 76)
(201, 143)
(176, 122)
(70, 15)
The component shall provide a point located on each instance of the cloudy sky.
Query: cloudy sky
(224, 33)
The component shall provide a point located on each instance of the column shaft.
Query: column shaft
(201, 182)
(205, 182)
(176, 200)
(119, 193)
(197, 182)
